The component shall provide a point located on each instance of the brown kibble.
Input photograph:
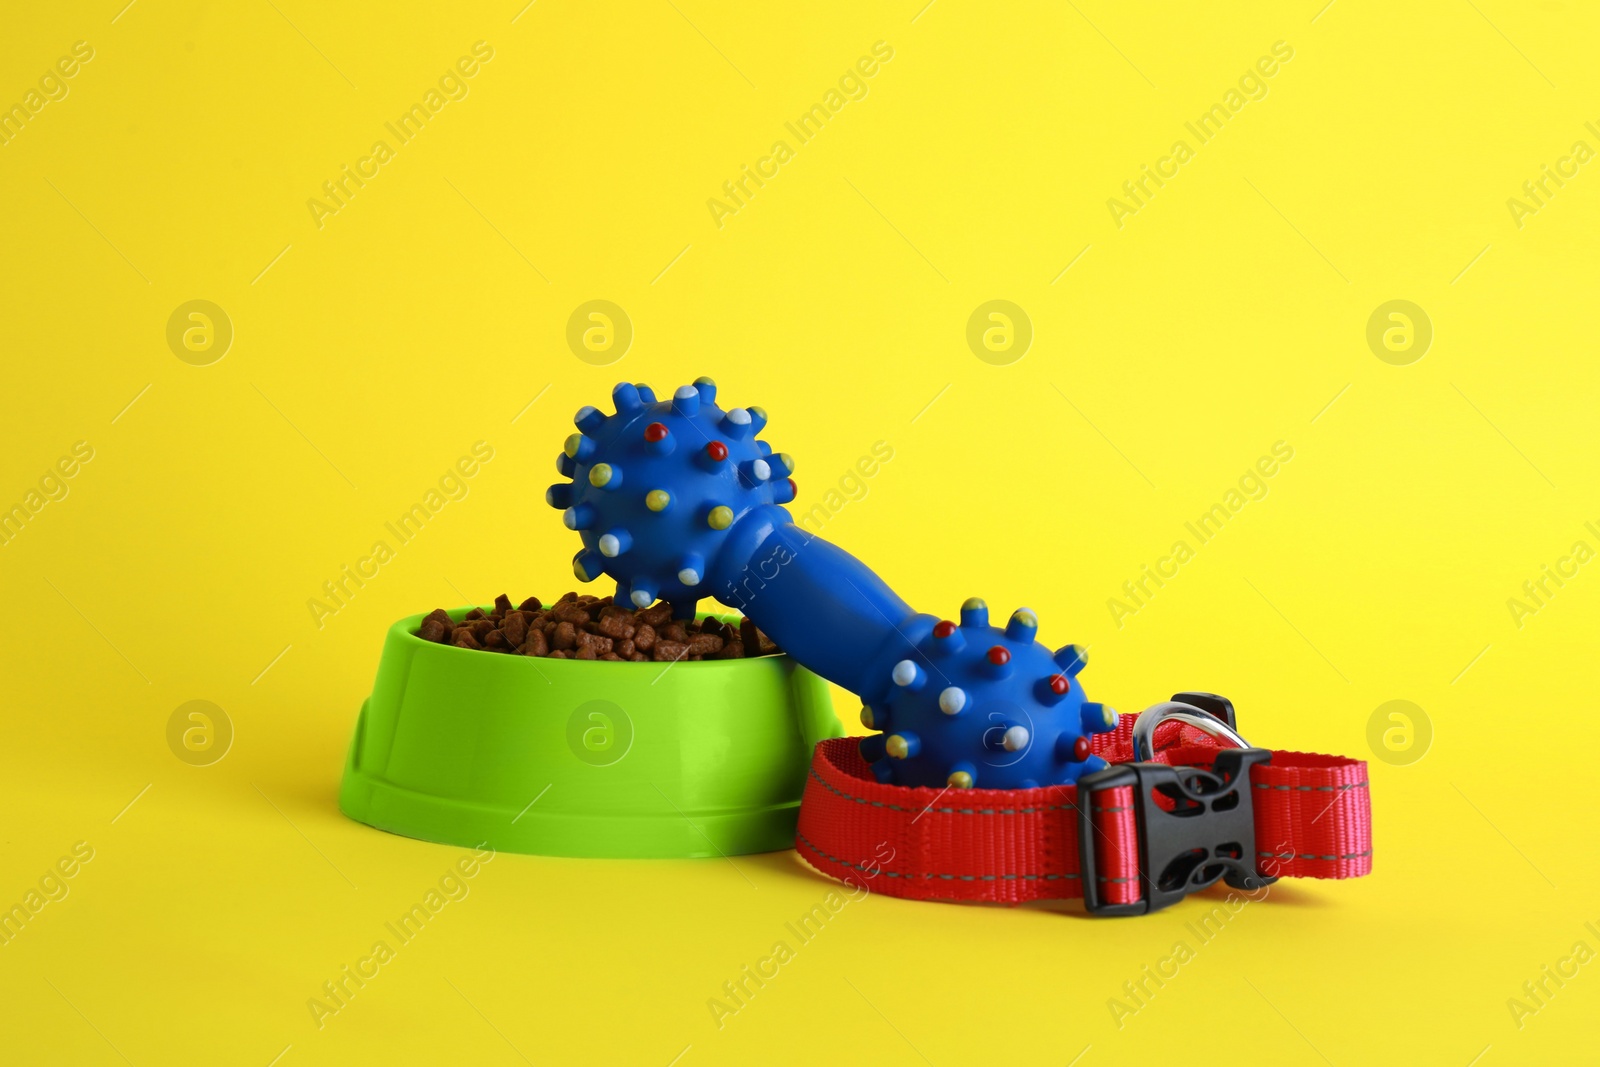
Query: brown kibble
(668, 651)
(566, 636)
(601, 645)
(570, 612)
(616, 624)
(583, 626)
(704, 644)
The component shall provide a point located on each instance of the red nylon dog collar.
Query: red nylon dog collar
(1311, 816)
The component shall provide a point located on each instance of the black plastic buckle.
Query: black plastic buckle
(1218, 707)
(1209, 833)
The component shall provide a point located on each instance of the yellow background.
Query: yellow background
(1229, 313)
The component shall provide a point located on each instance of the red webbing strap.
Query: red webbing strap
(974, 844)
(1312, 815)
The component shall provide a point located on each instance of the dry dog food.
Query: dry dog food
(589, 627)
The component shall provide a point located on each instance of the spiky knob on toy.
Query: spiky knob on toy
(677, 500)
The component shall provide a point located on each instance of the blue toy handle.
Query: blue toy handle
(821, 605)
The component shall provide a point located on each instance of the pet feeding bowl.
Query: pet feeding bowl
(590, 758)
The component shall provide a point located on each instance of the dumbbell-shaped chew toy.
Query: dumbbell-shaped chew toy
(677, 500)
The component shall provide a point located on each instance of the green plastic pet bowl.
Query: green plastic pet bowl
(590, 758)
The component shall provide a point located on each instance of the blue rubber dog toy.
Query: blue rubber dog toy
(678, 500)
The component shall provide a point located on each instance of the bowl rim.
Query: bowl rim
(406, 629)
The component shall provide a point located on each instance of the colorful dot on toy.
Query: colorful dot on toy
(625, 395)
(691, 568)
(1015, 739)
(1059, 684)
(1098, 718)
(908, 675)
(720, 517)
(605, 476)
(717, 451)
(686, 401)
(903, 745)
(947, 639)
(1080, 749)
(657, 499)
(952, 699)
(585, 567)
(999, 655)
(615, 544)
(974, 612)
(1024, 625)
(656, 431)
(1072, 658)
(960, 779)
(589, 418)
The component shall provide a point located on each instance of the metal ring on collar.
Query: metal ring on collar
(1144, 728)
